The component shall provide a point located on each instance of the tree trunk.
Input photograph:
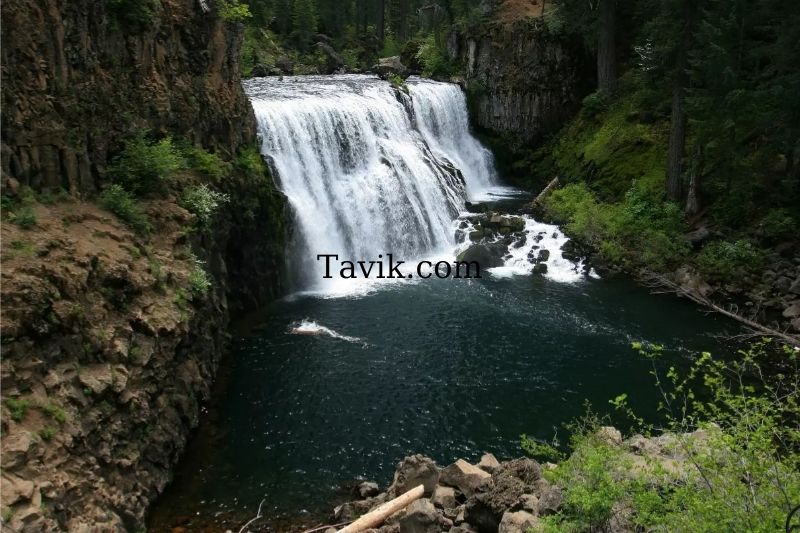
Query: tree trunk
(381, 20)
(693, 195)
(677, 137)
(606, 46)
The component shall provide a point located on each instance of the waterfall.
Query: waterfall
(367, 169)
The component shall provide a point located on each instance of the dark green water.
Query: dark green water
(448, 368)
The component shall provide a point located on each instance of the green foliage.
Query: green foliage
(304, 23)
(47, 433)
(145, 166)
(233, 11)
(203, 202)
(117, 200)
(779, 224)
(723, 260)
(594, 104)
(542, 451)
(736, 423)
(137, 15)
(433, 57)
(208, 164)
(199, 280)
(398, 82)
(640, 230)
(17, 407)
(23, 216)
(55, 412)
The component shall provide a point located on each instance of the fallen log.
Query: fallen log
(378, 515)
(550, 186)
(658, 281)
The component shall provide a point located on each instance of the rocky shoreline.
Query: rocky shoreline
(513, 496)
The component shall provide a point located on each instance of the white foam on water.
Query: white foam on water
(309, 327)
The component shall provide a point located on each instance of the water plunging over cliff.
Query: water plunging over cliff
(368, 169)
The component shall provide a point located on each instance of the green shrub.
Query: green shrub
(203, 202)
(638, 231)
(398, 82)
(233, 11)
(723, 260)
(433, 57)
(208, 164)
(779, 224)
(594, 104)
(146, 166)
(134, 14)
(23, 216)
(741, 467)
(17, 407)
(124, 205)
(47, 433)
(55, 412)
(199, 280)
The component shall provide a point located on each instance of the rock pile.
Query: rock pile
(461, 498)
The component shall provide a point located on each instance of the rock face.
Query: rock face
(108, 353)
(522, 80)
(80, 75)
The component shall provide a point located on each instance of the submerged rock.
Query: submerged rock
(486, 255)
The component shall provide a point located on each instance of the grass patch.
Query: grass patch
(123, 204)
(17, 407)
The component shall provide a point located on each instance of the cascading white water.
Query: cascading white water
(368, 169)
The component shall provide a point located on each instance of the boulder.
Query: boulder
(412, 471)
(792, 311)
(610, 435)
(543, 256)
(259, 71)
(540, 268)
(16, 489)
(526, 470)
(551, 497)
(486, 255)
(285, 65)
(488, 462)
(17, 447)
(529, 502)
(420, 517)
(795, 287)
(516, 522)
(390, 65)
(333, 61)
(96, 378)
(368, 489)
(698, 236)
(465, 477)
(485, 510)
(444, 497)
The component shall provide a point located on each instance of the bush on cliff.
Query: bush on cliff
(146, 166)
(738, 471)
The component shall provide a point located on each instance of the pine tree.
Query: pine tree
(304, 23)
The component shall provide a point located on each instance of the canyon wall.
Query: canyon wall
(78, 75)
(523, 80)
(111, 339)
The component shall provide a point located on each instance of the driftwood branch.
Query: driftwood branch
(378, 515)
(258, 515)
(664, 284)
